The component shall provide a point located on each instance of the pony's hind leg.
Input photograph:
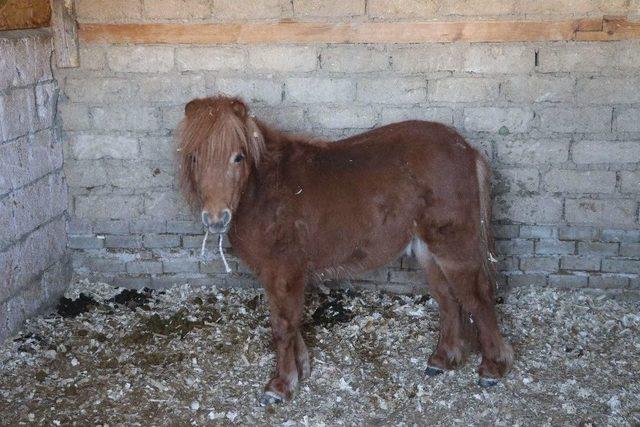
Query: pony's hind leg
(449, 352)
(286, 302)
(472, 289)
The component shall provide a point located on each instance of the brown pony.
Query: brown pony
(297, 209)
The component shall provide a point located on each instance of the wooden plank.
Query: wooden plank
(21, 14)
(613, 28)
(65, 37)
(307, 32)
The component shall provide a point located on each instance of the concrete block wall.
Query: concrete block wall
(558, 120)
(35, 266)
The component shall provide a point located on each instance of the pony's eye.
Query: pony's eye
(238, 158)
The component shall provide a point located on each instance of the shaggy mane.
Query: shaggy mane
(210, 133)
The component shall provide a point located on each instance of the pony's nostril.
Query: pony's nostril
(226, 216)
(206, 220)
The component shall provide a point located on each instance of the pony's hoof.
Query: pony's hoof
(432, 371)
(269, 398)
(485, 382)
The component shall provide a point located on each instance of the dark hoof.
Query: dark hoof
(269, 398)
(432, 371)
(487, 382)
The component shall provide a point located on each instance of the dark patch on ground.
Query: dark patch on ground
(332, 309)
(133, 298)
(72, 308)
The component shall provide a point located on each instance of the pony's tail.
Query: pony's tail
(487, 243)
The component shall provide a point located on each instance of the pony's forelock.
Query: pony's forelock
(211, 133)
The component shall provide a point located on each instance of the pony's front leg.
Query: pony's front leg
(286, 302)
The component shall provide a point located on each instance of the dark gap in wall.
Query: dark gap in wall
(536, 58)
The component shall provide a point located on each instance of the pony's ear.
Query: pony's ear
(254, 133)
(239, 108)
(191, 106)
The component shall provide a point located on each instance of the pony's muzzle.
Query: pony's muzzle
(218, 223)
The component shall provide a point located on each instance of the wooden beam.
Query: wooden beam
(65, 37)
(365, 32)
(613, 28)
(21, 14)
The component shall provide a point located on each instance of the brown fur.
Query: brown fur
(304, 209)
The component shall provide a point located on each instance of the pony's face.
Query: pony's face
(219, 146)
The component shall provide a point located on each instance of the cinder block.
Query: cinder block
(538, 232)
(184, 227)
(216, 266)
(233, 10)
(74, 116)
(111, 227)
(463, 89)
(265, 91)
(46, 103)
(93, 58)
(551, 247)
(597, 248)
(101, 90)
(398, 9)
(506, 231)
(157, 147)
(144, 267)
(577, 233)
(93, 146)
(580, 263)
(25, 59)
(180, 266)
(39, 202)
(478, 7)
(354, 59)
(601, 212)
(161, 241)
(429, 58)
(99, 264)
(144, 226)
(165, 205)
(606, 152)
(108, 10)
(85, 242)
(532, 151)
(283, 58)
(626, 119)
(319, 90)
(286, 119)
(342, 117)
(108, 206)
(528, 210)
(578, 56)
(77, 225)
(617, 235)
(538, 88)
(85, 173)
(186, 10)
(527, 279)
(535, 264)
(431, 114)
(621, 265)
(210, 58)
(568, 281)
(123, 242)
(575, 119)
(328, 8)
(140, 59)
(572, 181)
(174, 89)
(17, 113)
(515, 247)
(608, 281)
(492, 119)
(608, 90)
(125, 118)
(630, 250)
(521, 181)
(392, 90)
(498, 59)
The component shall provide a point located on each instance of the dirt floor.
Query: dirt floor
(197, 356)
